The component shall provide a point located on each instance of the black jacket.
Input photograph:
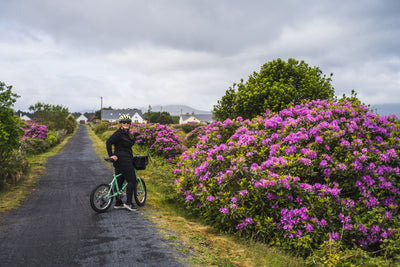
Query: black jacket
(122, 145)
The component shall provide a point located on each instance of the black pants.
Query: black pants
(128, 175)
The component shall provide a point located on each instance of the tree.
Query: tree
(225, 106)
(54, 116)
(10, 133)
(158, 117)
(148, 113)
(277, 85)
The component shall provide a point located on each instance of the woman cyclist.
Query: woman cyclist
(123, 141)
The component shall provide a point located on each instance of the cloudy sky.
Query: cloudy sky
(158, 52)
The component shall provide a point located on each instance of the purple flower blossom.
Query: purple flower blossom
(309, 228)
(243, 192)
(334, 236)
(224, 211)
(323, 164)
(189, 198)
(244, 223)
(211, 198)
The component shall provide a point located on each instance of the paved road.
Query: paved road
(57, 227)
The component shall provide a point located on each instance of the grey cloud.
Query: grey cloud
(156, 52)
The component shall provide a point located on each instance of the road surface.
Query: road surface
(57, 227)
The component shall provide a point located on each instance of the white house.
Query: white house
(82, 119)
(24, 117)
(195, 118)
(112, 115)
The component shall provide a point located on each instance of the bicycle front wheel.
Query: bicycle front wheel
(140, 193)
(99, 198)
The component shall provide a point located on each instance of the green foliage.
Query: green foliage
(101, 127)
(10, 133)
(187, 127)
(35, 146)
(9, 123)
(331, 253)
(225, 107)
(158, 117)
(275, 87)
(55, 117)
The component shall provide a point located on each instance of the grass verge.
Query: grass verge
(15, 195)
(197, 243)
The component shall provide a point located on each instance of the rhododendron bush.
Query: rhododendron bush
(159, 139)
(34, 130)
(311, 173)
(37, 139)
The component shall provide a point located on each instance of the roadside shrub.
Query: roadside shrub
(12, 168)
(38, 140)
(10, 135)
(187, 127)
(192, 138)
(159, 139)
(309, 174)
(101, 127)
(70, 124)
(34, 146)
(34, 130)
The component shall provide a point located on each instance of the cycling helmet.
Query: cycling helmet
(125, 118)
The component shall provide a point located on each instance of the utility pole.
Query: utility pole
(101, 109)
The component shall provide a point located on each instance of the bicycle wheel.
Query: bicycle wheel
(98, 198)
(140, 193)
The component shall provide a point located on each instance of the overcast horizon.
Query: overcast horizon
(140, 53)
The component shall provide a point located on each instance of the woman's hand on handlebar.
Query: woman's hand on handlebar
(115, 158)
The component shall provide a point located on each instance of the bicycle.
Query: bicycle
(102, 195)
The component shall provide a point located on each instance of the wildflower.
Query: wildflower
(323, 164)
(243, 192)
(322, 223)
(220, 157)
(224, 210)
(362, 228)
(334, 236)
(211, 198)
(309, 228)
(189, 198)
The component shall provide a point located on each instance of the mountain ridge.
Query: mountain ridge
(174, 110)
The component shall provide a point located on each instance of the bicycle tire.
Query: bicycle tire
(98, 200)
(140, 193)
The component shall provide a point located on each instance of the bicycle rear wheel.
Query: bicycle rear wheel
(140, 193)
(98, 198)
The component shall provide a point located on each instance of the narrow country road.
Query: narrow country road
(57, 227)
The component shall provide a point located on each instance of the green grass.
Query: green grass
(197, 243)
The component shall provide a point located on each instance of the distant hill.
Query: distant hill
(387, 109)
(175, 110)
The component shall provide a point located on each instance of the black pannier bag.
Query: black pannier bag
(140, 162)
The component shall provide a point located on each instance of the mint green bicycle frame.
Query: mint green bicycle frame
(118, 192)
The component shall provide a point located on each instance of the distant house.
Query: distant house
(82, 119)
(193, 118)
(114, 114)
(25, 116)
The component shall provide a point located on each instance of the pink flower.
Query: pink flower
(224, 210)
